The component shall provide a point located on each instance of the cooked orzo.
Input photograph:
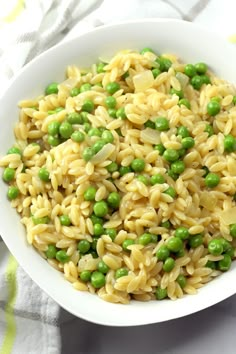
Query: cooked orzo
(124, 176)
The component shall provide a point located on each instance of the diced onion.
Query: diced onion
(183, 79)
(208, 200)
(150, 136)
(228, 216)
(143, 80)
(103, 154)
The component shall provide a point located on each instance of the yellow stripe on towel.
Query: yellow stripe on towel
(10, 334)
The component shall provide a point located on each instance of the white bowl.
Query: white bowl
(191, 43)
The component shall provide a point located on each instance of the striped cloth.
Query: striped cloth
(29, 319)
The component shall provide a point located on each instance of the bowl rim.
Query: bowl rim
(36, 278)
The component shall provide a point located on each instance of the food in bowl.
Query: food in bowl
(124, 176)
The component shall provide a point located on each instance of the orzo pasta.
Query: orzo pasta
(124, 176)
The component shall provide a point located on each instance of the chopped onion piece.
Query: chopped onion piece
(103, 154)
(87, 262)
(150, 136)
(143, 80)
(183, 79)
(228, 216)
(208, 200)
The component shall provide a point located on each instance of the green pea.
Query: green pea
(201, 68)
(74, 118)
(87, 154)
(107, 136)
(42, 220)
(188, 142)
(51, 252)
(12, 192)
(102, 267)
(85, 275)
(94, 132)
(51, 88)
(213, 108)
(112, 87)
(53, 128)
(173, 175)
(157, 179)
(195, 241)
(171, 192)
(230, 252)
(184, 102)
(180, 253)
(149, 124)
(164, 63)
(8, 174)
(180, 93)
(234, 100)
(160, 148)
(146, 50)
(85, 87)
(138, 165)
(225, 263)
(124, 169)
(53, 140)
(162, 124)
(84, 117)
(65, 220)
(163, 253)
(74, 92)
(166, 224)
(168, 264)
(154, 238)
(143, 179)
(182, 152)
(84, 246)
(121, 272)
(113, 200)
(111, 232)
(205, 79)
(209, 129)
(226, 244)
(229, 143)
(120, 113)
(174, 244)
(98, 280)
(183, 132)
(62, 256)
(44, 174)
(88, 106)
(212, 180)
(87, 127)
(110, 102)
(190, 70)
(211, 264)
(98, 145)
(112, 167)
(232, 230)
(90, 193)
(112, 112)
(98, 230)
(171, 155)
(178, 167)
(145, 239)
(65, 130)
(156, 72)
(94, 244)
(96, 220)
(100, 208)
(196, 82)
(77, 136)
(182, 233)
(14, 150)
(100, 68)
(215, 247)
(181, 280)
(94, 254)
(160, 293)
(126, 243)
